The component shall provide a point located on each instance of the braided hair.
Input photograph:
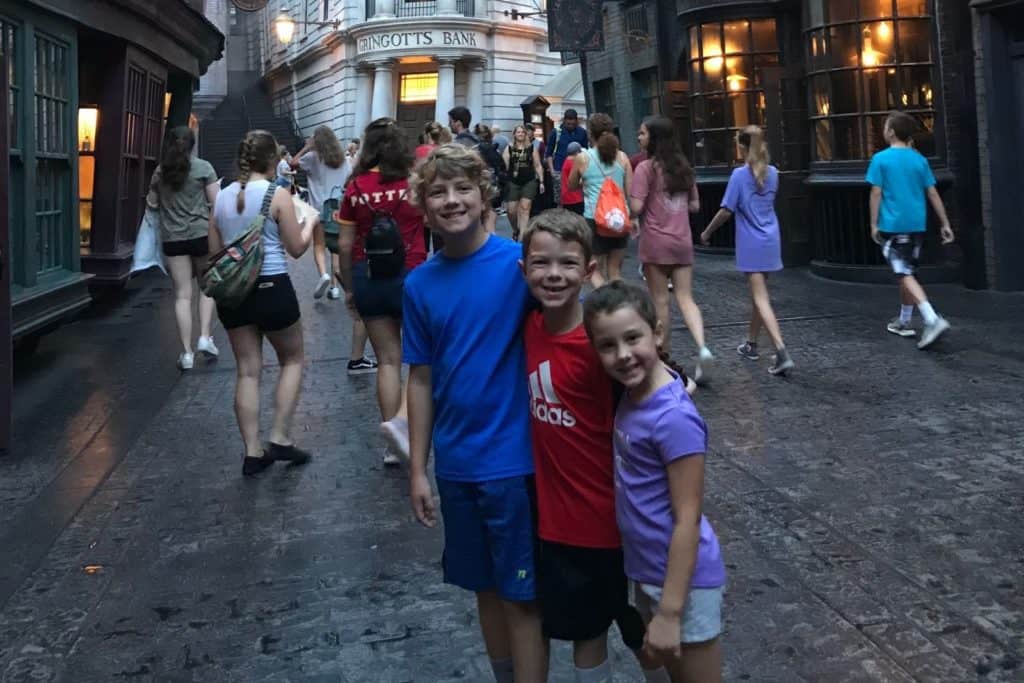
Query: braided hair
(257, 153)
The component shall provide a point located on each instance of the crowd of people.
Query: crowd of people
(569, 454)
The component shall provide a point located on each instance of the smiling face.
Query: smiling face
(627, 347)
(555, 270)
(452, 206)
(519, 134)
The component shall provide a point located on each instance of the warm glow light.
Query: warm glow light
(870, 56)
(167, 104)
(737, 81)
(884, 31)
(88, 118)
(422, 59)
(418, 88)
(284, 27)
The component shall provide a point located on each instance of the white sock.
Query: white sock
(657, 675)
(602, 673)
(906, 313)
(503, 670)
(927, 312)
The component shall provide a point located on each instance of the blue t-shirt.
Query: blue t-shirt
(464, 318)
(904, 176)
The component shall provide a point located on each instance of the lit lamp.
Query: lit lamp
(284, 26)
(737, 81)
(870, 56)
(88, 119)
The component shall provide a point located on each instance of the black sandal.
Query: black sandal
(295, 456)
(252, 466)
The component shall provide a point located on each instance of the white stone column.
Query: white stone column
(475, 90)
(383, 90)
(364, 100)
(445, 90)
(385, 9)
(447, 7)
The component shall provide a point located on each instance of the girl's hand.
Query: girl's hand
(705, 238)
(422, 499)
(662, 638)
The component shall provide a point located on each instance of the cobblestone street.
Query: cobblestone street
(870, 506)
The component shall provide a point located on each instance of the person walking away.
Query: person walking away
(183, 190)
(454, 334)
(589, 171)
(581, 584)
(271, 309)
(525, 179)
(671, 552)
(500, 139)
(900, 180)
(488, 151)
(381, 240)
(557, 149)
(285, 174)
(459, 119)
(750, 197)
(572, 200)
(664, 194)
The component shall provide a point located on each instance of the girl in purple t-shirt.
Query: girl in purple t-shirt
(671, 553)
(750, 196)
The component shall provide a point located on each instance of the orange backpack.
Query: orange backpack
(610, 214)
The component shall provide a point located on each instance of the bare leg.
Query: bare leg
(763, 304)
(288, 345)
(657, 285)
(490, 220)
(528, 645)
(754, 330)
(386, 339)
(615, 260)
(247, 344)
(911, 290)
(682, 280)
(525, 205)
(180, 269)
(206, 304)
(492, 624)
(319, 247)
(512, 212)
(358, 339)
(587, 654)
(598, 277)
(699, 663)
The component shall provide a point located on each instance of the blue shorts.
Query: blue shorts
(489, 536)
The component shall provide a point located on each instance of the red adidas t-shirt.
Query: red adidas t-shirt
(571, 416)
(392, 197)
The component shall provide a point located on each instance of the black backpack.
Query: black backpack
(488, 151)
(385, 250)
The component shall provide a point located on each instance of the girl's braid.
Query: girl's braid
(244, 170)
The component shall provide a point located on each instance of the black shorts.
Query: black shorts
(581, 590)
(376, 298)
(200, 246)
(575, 208)
(271, 306)
(902, 251)
(606, 245)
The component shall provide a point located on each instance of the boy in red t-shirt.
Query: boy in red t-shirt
(571, 199)
(581, 583)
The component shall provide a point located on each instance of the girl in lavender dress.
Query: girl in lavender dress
(750, 196)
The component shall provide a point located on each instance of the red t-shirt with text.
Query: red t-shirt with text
(390, 197)
(572, 411)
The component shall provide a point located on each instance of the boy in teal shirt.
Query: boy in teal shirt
(900, 180)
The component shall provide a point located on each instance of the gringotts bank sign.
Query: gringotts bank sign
(431, 39)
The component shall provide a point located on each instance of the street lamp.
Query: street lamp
(284, 25)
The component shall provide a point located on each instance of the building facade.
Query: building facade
(413, 60)
(92, 86)
(820, 76)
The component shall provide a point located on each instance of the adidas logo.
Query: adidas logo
(544, 402)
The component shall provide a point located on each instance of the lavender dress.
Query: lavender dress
(758, 248)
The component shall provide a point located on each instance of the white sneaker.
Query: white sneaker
(390, 459)
(334, 293)
(321, 287)
(207, 346)
(705, 361)
(396, 433)
(186, 361)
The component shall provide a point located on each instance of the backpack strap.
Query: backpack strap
(374, 210)
(267, 199)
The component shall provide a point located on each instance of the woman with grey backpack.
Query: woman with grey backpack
(270, 308)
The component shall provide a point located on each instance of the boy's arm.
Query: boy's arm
(940, 210)
(876, 203)
(421, 423)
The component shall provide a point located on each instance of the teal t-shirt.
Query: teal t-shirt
(904, 176)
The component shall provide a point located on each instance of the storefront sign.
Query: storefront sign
(404, 40)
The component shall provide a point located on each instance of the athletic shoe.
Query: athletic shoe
(251, 466)
(185, 361)
(748, 350)
(290, 453)
(362, 366)
(334, 293)
(396, 433)
(390, 459)
(702, 371)
(781, 363)
(932, 332)
(207, 346)
(900, 328)
(321, 287)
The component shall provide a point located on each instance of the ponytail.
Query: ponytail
(177, 157)
(244, 169)
(752, 137)
(602, 131)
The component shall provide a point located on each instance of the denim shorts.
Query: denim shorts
(376, 298)
(489, 536)
(702, 613)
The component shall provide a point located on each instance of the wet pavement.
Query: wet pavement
(869, 506)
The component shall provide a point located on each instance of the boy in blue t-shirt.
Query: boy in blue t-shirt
(901, 179)
(462, 338)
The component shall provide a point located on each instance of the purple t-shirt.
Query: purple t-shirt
(758, 249)
(648, 437)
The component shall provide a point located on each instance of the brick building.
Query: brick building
(820, 76)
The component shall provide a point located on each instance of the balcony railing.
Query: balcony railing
(421, 8)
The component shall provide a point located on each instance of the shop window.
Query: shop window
(9, 48)
(53, 153)
(726, 86)
(646, 95)
(418, 88)
(637, 31)
(88, 124)
(865, 59)
(604, 97)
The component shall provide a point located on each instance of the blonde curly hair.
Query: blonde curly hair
(449, 162)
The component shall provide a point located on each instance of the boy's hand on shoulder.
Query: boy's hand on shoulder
(947, 234)
(422, 499)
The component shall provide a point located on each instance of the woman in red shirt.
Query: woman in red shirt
(571, 199)
(376, 208)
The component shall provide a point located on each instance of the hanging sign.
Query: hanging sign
(575, 25)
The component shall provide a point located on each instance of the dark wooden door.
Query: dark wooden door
(412, 118)
(6, 374)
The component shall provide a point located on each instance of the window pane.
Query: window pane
(844, 92)
(823, 140)
(842, 10)
(697, 111)
(719, 147)
(737, 37)
(915, 40)
(761, 61)
(875, 9)
(820, 100)
(912, 8)
(764, 35)
(818, 54)
(815, 12)
(878, 44)
(695, 75)
(917, 88)
(848, 138)
(711, 39)
(694, 43)
(715, 111)
(879, 89)
(738, 73)
(739, 110)
(924, 140)
(844, 43)
(713, 68)
(875, 141)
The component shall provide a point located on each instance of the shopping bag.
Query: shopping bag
(148, 247)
